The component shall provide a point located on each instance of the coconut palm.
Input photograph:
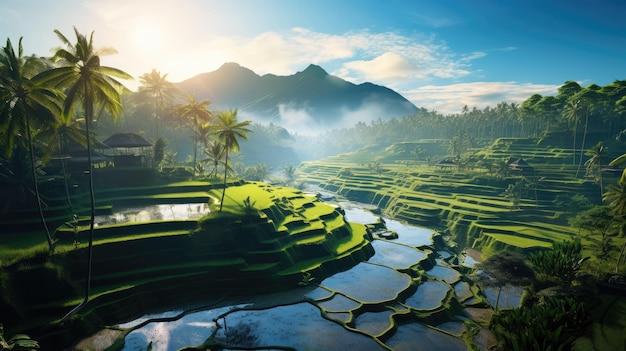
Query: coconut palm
(89, 85)
(228, 129)
(197, 112)
(215, 152)
(572, 111)
(156, 87)
(594, 163)
(27, 103)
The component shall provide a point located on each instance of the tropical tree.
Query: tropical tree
(562, 264)
(156, 87)
(26, 103)
(504, 269)
(588, 98)
(289, 171)
(573, 111)
(594, 163)
(616, 197)
(228, 129)
(197, 112)
(90, 85)
(215, 152)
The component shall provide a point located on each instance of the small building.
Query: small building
(446, 163)
(518, 166)
(130, 149)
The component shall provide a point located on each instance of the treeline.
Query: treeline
(579, 110)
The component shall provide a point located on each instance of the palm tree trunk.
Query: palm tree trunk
(574, 153)
(36, 186)
(582, 146)
(92, 199)
(195, 146)
(225, 175)
(64, 169)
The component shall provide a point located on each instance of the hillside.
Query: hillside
(308, 99)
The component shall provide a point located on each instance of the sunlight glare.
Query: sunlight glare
(147, 37)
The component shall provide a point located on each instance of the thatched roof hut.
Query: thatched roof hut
(520, 166)
(129, 142)
(126, 140)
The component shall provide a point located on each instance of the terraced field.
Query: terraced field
(265, 240)
(466, 203)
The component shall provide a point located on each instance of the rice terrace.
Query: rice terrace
(243, 211)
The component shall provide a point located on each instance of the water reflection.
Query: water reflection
(302, 325)
(169, 212)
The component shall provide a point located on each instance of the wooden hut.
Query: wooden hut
(130, 149)
(518, 166)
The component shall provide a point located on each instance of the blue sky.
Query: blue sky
(441, 55)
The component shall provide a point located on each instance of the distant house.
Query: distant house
(446, 163)
(130, 149)
(518, 166)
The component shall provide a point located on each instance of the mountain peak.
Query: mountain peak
(315, 70)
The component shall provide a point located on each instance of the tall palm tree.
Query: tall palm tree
(588, 98)
(215, 152)
(228, 129)
(572, 110)
(26, 103)
(594, 163)
(90, 85)
(198, 113)
(156, 87)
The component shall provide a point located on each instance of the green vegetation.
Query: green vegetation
(504, 181)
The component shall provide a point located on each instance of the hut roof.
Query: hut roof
(519, 163)
(75, 147)
(126, 140)
(446, 163)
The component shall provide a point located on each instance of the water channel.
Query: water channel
(371, 306)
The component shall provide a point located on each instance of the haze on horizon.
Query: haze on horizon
(439, 56)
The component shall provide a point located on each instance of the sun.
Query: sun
(147, 37)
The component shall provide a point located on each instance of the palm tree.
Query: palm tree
(215, 152)
(227, 130)
(27, 103)
(88, 84)
(289, 172)
(588, 98)
(572, 111)
(594, 163)
(156, 87)
(616, 197)
(195, 111)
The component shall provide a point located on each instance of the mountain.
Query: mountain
(308, 99)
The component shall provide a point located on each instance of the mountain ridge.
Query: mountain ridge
(308, 98)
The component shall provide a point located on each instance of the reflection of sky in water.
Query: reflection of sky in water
(429, 295)
(155, 213)
(395, 255)
(190, 330)
(359, 282)
(510, 297)
(408, 234)
(300, 326)
(374, 323)
(359, 215)
(417, 337)
(446, 274)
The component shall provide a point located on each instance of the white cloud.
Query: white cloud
(449, 99)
